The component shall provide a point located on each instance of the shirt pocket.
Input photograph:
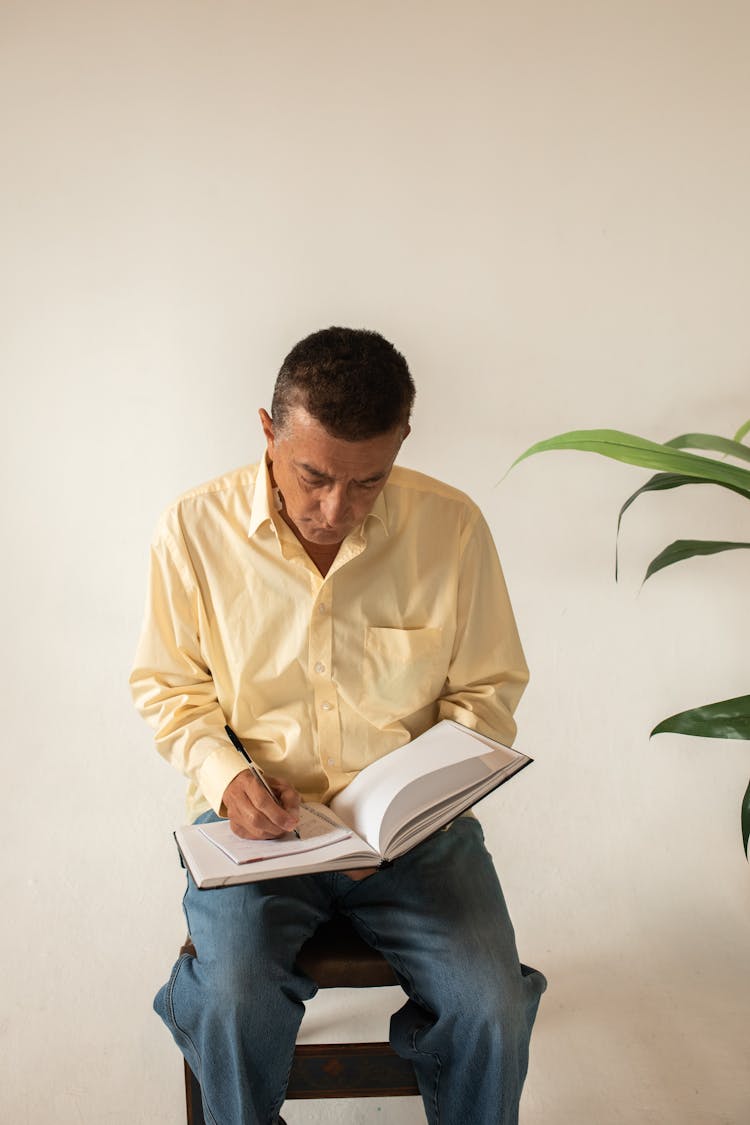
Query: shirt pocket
(402, 671)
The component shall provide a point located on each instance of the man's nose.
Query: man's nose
(335, 505)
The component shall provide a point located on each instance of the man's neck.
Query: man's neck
(322, 556)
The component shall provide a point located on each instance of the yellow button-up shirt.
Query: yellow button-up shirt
(319, 676)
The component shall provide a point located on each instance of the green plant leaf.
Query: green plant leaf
(711, 441)
(744, 429)
(686, 549)
(728, 719)
(634, 450)
(659, 482)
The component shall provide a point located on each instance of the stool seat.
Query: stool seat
(335, 957)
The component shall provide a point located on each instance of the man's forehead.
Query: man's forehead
(312, 448)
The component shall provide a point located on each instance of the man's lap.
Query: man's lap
(437, 914)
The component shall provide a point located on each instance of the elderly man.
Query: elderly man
(330, 607)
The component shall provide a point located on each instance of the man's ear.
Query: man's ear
(267, 425)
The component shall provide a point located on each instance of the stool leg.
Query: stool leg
(193, 1099)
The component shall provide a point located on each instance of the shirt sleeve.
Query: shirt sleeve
(171, 683)
(488, 671)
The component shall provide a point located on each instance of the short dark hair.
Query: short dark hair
(353, 381)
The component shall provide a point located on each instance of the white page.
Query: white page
(210, 867)
(428, 794)
(365, 801)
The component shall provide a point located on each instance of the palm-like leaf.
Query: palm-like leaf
(728, 719)
(713, 442)
(659, 482)
(687, 549)
(633, 450)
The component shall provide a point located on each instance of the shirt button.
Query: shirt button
(322, 608)
(320, 668)
(327, 706)
(331, 762)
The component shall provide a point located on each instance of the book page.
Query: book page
(420, 810)
(433, 796)
(317, 829)
(445, 747)
(211, 867)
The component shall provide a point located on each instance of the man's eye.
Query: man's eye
(310, 483)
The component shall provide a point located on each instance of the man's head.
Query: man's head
(353, 381)
(339, 415)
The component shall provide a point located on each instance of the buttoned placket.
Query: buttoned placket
(320, 644)
(320, 659)
(320, 671)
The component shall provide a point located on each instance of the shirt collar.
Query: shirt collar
(262, 505)
(380, 510)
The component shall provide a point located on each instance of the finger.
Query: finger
(253, 828)
(286, 794)
(247, 821)
(259, 814)
(253, 814)
(275, 808)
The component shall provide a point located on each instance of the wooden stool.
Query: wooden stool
(336, 957)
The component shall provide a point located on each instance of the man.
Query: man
(330, 607)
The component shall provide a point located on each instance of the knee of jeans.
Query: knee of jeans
(251, 978)
(492, 1002)
(496, 1026)
(224, 974)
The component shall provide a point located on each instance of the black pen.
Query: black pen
(254, 770)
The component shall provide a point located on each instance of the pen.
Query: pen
(254, 770)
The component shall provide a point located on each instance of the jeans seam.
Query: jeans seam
(281, 1096)
(169, 1001)
(398, 965)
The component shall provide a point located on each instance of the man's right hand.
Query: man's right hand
(253, 814)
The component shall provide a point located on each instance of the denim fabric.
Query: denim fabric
(439, 917)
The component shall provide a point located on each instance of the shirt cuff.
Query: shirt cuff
(217, 771)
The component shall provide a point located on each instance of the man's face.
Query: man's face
(328, 485)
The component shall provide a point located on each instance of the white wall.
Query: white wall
(546, 207)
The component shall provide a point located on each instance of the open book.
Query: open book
(392, 805)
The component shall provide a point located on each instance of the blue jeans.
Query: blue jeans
(438, 916)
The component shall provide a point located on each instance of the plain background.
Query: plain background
(545, 206)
